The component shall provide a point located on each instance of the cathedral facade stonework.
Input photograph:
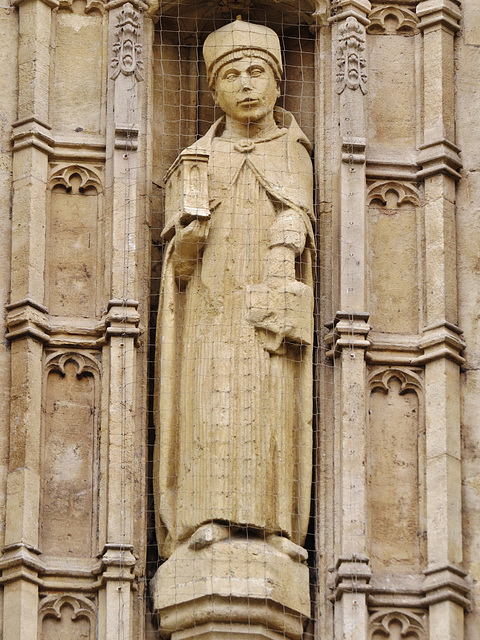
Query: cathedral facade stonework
(241, 343)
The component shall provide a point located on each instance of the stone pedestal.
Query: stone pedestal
(234, 588)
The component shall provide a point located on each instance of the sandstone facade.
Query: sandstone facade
(96, 101)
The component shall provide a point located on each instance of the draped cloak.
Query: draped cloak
(234, 418)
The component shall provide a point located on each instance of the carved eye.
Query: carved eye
(230, 76)
(256, 71)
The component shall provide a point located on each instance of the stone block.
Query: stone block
(232, 586)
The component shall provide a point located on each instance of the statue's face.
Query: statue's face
(246, 90)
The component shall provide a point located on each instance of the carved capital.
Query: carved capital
(442, 340)
(117, 563)
(351, 573)
(32, 132)
(351, 61)
(122, 318)
(126, 137)
(27, 318)
(434, 14)
(350, 330)
(439, 156)
(353, 150)
(343, 9)
(447, 582)
(20, 562)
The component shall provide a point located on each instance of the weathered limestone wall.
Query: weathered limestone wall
(468, 238)
(74, 224)
(86, 135)
(8, 111)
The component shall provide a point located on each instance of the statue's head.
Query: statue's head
(241, 39)
(244, 69)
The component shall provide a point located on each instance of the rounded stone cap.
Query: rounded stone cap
(238, 39)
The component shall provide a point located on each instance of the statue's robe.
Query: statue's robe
(234, 415)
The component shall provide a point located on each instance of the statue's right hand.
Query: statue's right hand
(193, 236)
(189, 242)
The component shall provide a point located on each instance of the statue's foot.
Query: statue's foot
(208, 534)
(287, 547)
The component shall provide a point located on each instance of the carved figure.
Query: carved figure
(234, 337)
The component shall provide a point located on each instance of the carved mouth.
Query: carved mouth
(249, 101)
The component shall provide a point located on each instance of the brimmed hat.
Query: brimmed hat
(239, 39)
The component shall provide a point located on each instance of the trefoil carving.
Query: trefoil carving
(92, 5)
(351, 62)
(76, 178)
(409, 381)
(391, 19)
(85, 364)
(392, 194)
(394, 624)
(51, 606)
(126, 49)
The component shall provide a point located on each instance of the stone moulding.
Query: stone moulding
(447, 583)
(435, 12)
(439, 156)
(392, 19)
(27, 318)
(32, 132)
(307, 12)
(350, 574)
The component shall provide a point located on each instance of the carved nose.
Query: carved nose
(246, 82)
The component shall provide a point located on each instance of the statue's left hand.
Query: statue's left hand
(284, 311)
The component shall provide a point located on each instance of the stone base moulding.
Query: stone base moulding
(231, 589)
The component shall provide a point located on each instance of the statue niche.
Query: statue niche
(233, 392)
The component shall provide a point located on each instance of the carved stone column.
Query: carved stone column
(352, 572)
(122, 393)
(445, 585)
(26, 322)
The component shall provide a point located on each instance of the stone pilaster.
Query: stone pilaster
(351, 573)
(445, 584)
(122, 397)
(26, 321)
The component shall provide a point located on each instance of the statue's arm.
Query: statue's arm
(282, 304)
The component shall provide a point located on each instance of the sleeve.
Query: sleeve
(289, 230)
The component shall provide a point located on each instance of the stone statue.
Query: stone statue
(235, 322)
